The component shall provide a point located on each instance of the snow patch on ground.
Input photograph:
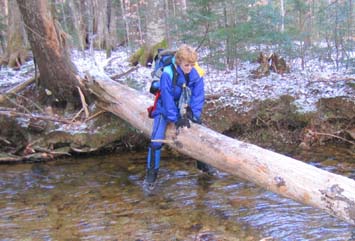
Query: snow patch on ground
(230, 88)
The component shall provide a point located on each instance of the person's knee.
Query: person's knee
(156, 145)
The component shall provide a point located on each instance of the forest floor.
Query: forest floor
(305, 107)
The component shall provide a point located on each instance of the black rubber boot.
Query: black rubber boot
(150, 179)
(153, 161)
(151, 176)
(205, 167)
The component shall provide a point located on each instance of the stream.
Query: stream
(101, 198)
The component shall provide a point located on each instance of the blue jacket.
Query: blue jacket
(167, 103)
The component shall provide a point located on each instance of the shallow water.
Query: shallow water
(101, 198)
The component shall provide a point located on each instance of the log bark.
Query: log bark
(286, 176)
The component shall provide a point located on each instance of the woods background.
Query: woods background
(299, 29)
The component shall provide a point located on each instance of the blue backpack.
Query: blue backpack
(163, 59)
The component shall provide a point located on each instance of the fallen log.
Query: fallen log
(286, 176)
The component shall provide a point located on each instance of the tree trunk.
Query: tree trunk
(282, 13)
(125, 20)
(78, 9)
(155, 22)
(48, 43)
(101, 23)
(4, 10)
(155, 29)
(155, 34)
(16, 53)
(275, 172)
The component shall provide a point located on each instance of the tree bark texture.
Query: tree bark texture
(48, 44)
(79, 16)
(280, 174)
(100, 23)
(155, 22)
(16, 53)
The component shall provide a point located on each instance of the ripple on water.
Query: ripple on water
(91, 199)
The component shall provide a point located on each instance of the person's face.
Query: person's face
(186, 66)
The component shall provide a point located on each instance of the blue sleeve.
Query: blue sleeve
(170, 110)
(197, 97)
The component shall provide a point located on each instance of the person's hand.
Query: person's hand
(191, 116)
(182, 122)
(189, 113)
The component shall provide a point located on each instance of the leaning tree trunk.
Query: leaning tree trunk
(48, 43)
(280, 174)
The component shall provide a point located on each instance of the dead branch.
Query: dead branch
(204, 37)
(258, 118)
(17, 88)
(351, 133)
(17, 105)
(35, 154)
(110, 60)
(33, 116)
(332, 135)
(30, 101)
(349, 79)
(83, 102)
(11, 158)
(7, 109)
(95, 115)
(117, 76)
(334, 80)
(5, 140)
(77, 114)
(44, 150)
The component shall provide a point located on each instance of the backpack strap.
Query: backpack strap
(170, 68)
(152, 108)
(175, 74)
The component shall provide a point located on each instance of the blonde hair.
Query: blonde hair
(185, 53)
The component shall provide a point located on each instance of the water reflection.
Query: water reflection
(101, 198)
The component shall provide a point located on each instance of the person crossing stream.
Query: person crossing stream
(179, 100)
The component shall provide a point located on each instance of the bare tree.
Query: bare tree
(101, 23)
(16, 53)
(155, 33)
(49, 47)
(155, 22)
(3, 20)
(282, 13)
(125, 20)
(79, 15)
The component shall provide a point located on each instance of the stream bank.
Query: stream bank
(272, 124)
(302, 109)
